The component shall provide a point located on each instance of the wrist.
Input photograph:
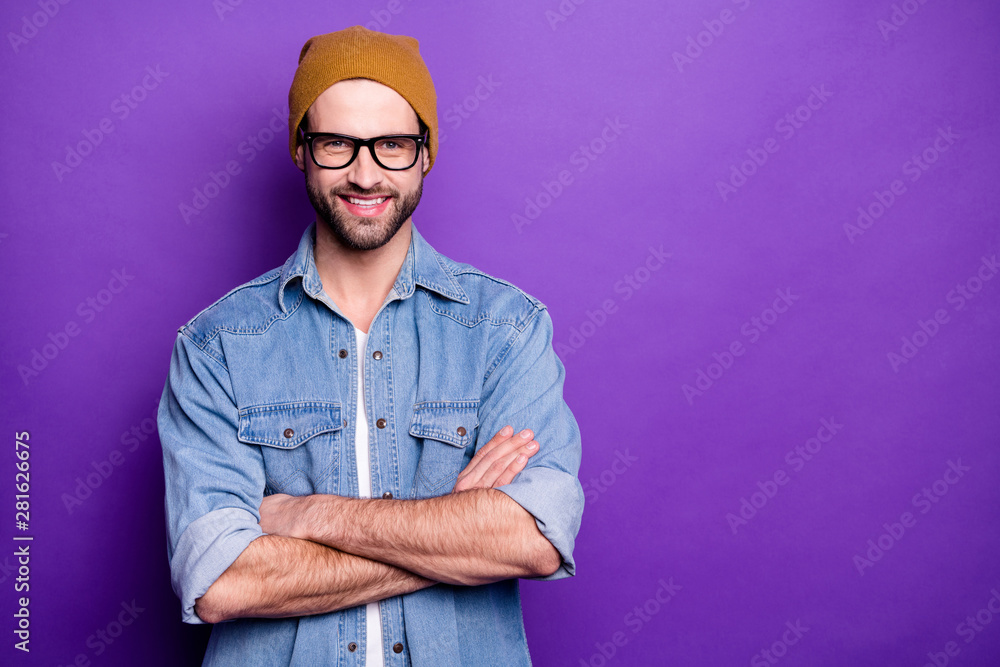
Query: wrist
(318, 518)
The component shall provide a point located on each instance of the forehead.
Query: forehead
(362, 108)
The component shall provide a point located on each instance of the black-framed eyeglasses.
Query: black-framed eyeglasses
(395, 152)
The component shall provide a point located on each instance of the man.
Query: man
(343, 482)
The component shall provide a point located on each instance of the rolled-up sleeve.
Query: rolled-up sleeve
(526, 391)
(214, 482)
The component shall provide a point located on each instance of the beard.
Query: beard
(360, 233)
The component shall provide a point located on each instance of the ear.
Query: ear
(425, 155)
(300, 157)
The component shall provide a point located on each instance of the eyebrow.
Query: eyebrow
(375, 135)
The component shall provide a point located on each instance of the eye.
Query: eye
(334, 144)
(393, 145)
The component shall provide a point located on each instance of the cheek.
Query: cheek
(405, 186)
(323, 182)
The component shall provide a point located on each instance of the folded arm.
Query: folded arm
(475, 535)
(468, 538)
(222, 565)
(277, 576)
(521, 528)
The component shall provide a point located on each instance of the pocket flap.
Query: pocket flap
(288, 425)
(453, 422)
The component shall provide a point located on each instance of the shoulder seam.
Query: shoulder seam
(210, 335)
(469, 269)
(270, 276)
(204, 351)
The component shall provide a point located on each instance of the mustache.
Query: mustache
(358, 192)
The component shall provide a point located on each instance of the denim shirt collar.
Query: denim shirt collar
(422, 266)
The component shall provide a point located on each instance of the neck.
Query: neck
(359, 280)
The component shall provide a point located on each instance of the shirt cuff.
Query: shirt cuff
(205, 550)
(555, 499)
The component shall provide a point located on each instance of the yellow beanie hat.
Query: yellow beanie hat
(357, 52)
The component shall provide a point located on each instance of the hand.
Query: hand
(498, 461)
(279, 514)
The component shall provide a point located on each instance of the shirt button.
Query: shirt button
(387, 495)
(345, 422)
(342, 354)
(397, 648)
(289, 433)
(352, 647)
(380, 423)
(377, 354)
(461, 430)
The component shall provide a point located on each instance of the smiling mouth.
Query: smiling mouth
(357, 201)
(366, 206)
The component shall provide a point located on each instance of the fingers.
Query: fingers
(501, 468)
(501, 437)
(513, 468)
(500, 446)
(472, 471)
(498, 461)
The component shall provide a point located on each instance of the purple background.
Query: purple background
(661, 471)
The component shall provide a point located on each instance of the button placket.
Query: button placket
(376, 383)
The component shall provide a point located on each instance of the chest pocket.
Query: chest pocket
(447, 432)
(300, 442)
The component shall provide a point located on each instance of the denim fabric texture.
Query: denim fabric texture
(259, 399)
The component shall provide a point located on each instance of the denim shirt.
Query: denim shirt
(260, 399)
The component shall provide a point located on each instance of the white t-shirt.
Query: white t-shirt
(373, 617)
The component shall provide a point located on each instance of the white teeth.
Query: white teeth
(366, 202)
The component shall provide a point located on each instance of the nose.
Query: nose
(365, 173)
